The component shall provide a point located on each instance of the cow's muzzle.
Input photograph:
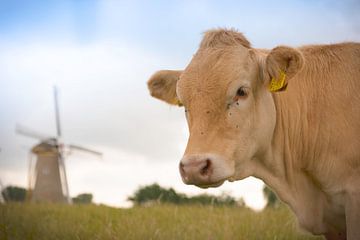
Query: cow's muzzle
(204, 170)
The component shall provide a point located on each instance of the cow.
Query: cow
(288, 116)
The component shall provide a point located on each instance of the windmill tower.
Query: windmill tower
(47, 180)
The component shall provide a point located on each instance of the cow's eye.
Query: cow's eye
(241, 92)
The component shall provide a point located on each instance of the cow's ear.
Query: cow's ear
(162, 85)
(282, 64)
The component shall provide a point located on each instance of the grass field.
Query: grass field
(46, 221)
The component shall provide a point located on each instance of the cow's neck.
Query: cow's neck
(284, 166)
(288, 152)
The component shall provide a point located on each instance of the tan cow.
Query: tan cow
(303, 140)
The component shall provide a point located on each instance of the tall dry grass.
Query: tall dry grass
(51, 221)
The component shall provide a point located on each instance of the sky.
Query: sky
(100, 55)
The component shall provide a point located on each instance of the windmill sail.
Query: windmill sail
(76, 147)
(57, 114)
(64, 177)
(30, 133)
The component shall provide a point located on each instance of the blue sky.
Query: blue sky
(165, 24)
(101, 53)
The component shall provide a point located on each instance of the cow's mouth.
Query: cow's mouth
(211, 185)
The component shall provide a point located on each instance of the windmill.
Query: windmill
(47, 180)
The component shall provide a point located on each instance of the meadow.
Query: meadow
(52, 221)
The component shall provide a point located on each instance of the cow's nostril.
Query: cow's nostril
(206, 168)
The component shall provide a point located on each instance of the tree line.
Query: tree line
(19, 194)
(154, 194)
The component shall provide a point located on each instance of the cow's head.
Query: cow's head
(228, 105)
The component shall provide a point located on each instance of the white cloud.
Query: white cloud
(103, 93)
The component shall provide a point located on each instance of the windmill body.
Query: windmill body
(47, 174)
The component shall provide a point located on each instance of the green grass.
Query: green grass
(49, 221)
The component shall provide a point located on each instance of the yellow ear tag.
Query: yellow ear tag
(277, 85)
